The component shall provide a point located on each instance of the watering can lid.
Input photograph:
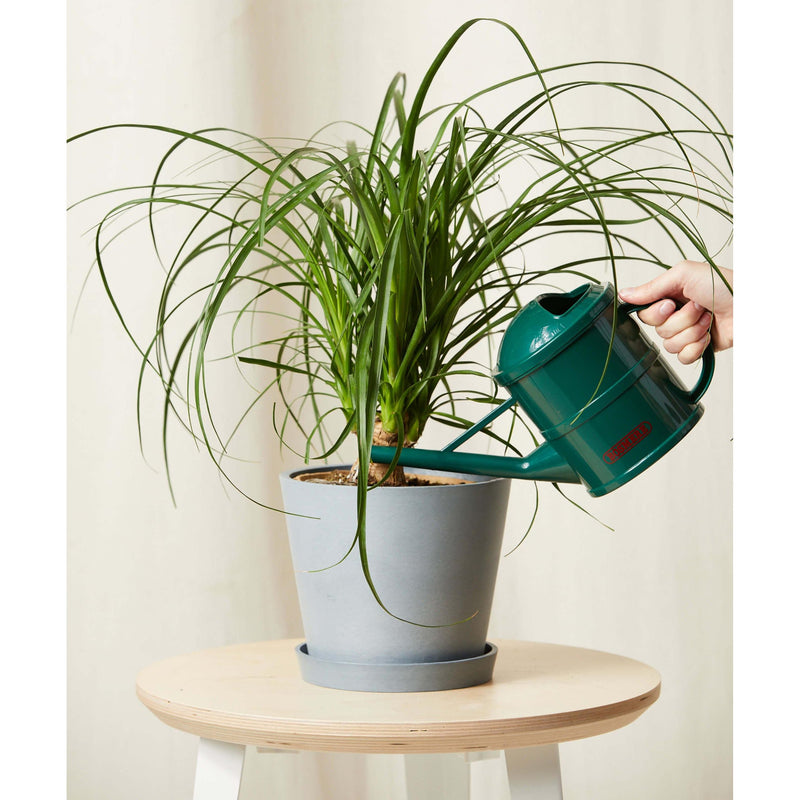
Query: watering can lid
(546, 326)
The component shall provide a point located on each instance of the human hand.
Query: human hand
(685, 328)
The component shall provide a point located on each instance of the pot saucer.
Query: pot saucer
(431, 676)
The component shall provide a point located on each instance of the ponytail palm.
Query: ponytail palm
(386, 261)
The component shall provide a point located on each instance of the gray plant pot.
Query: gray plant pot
(433, 556)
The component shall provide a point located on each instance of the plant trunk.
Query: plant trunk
(377, 472)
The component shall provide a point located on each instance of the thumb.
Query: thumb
(668, 284)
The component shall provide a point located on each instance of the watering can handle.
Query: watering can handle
(707, 370)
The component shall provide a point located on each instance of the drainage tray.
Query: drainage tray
(431, 676)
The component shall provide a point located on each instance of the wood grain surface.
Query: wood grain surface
(541, 694)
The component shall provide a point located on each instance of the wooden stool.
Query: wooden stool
(252, 694)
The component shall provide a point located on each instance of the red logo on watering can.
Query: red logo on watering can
(627, 442)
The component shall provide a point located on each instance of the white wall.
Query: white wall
(147, 580)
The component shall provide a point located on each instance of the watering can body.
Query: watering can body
(606, 403)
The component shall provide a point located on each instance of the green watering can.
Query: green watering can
(605, 415)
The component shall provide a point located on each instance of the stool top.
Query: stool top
(540, 694)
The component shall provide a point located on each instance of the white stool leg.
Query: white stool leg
(484, 773)
(534, 773)
(219, 770)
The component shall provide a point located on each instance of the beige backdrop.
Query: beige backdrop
(147, 580)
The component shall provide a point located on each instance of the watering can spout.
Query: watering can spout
(543, 464)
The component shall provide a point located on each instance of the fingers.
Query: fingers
(686, 332)
(684, 318)
(668, 284)
(658, 313)
(684, 328)
(693, 351)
